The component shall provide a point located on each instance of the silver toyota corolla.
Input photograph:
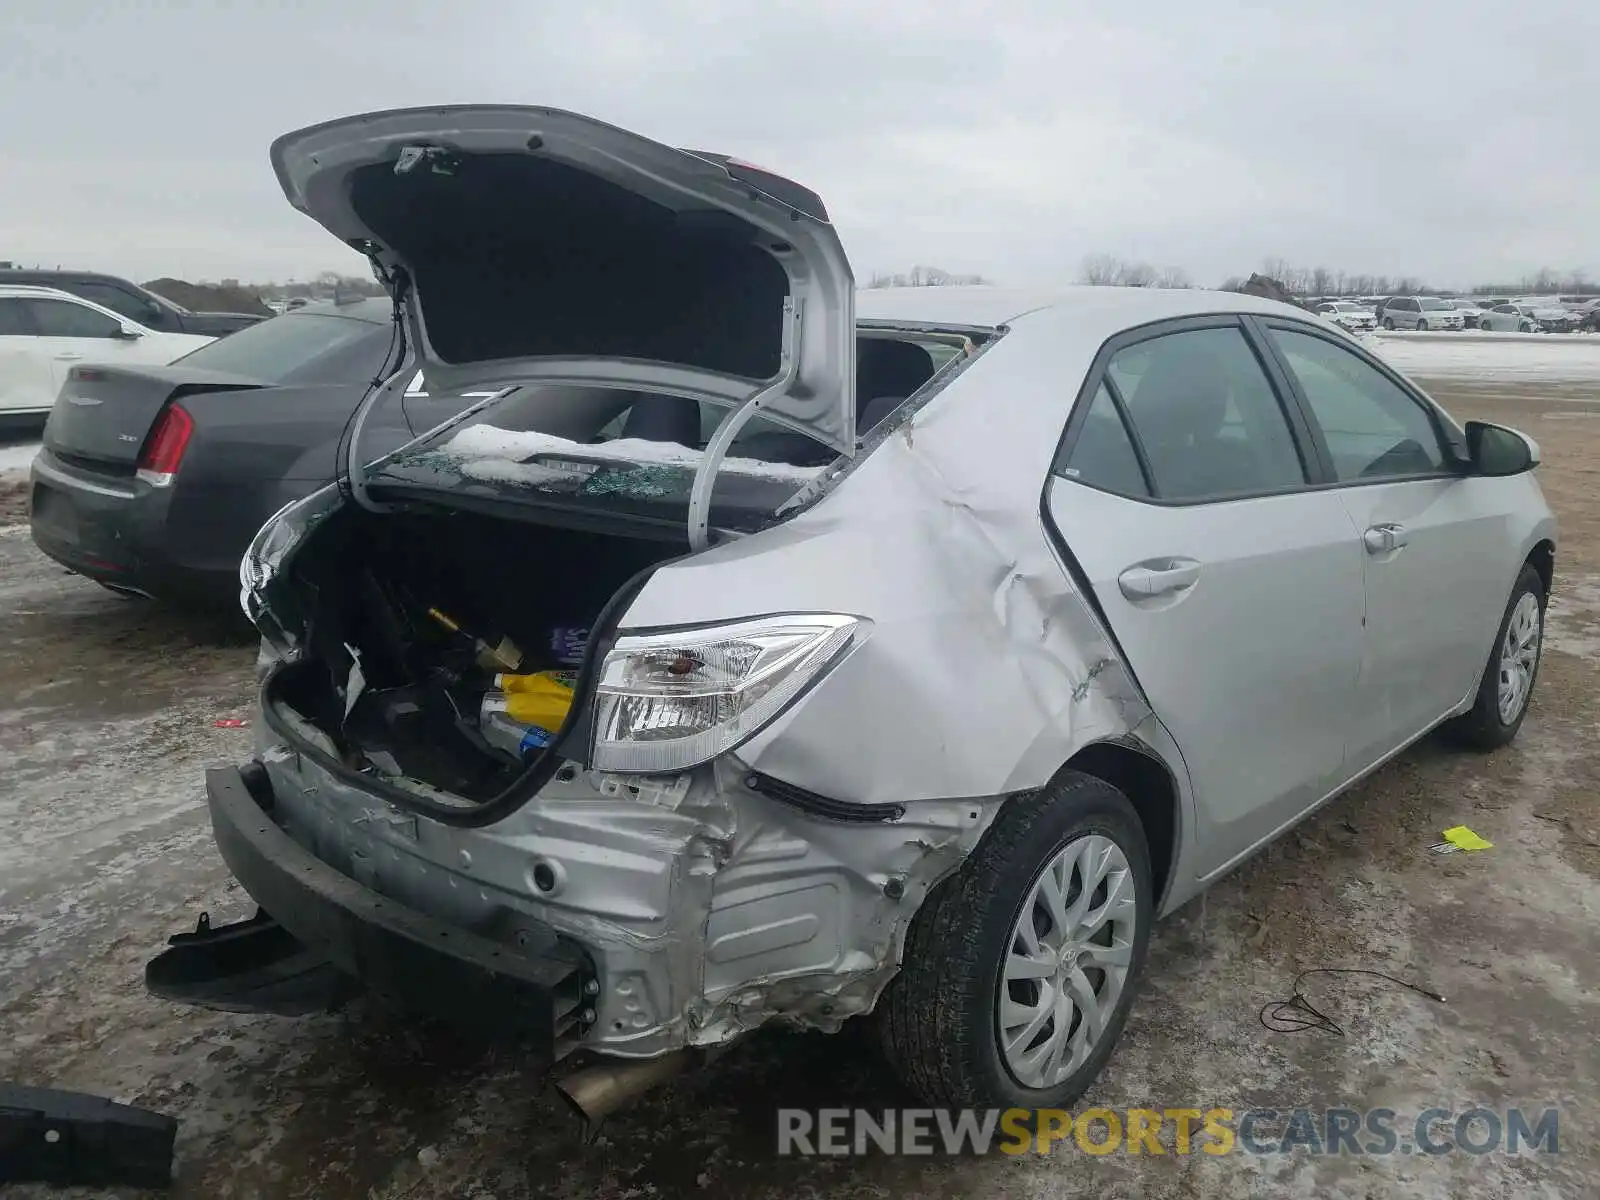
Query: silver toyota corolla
(761, 651)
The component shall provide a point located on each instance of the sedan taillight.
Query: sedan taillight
(163, 449)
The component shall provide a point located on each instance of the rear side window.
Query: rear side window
(14, 319)
(299, 348)
(1102, 453)
(1372, 427)
(62, 318)
(1205, 416)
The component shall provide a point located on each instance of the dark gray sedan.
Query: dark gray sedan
(152, 480)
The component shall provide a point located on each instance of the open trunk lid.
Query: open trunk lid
(104, 414)
(534, 243)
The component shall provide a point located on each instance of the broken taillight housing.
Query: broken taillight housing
(164, 447)
(672, 700)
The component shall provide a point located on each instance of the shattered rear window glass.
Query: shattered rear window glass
(620, 475)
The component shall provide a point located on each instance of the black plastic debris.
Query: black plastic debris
(69, 1138)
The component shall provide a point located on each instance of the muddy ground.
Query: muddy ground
(108, 713)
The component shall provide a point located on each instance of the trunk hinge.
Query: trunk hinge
(349, 471)
(705, 476)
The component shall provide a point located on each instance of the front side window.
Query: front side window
(1206, 416)
(62, 318)
(1373, 428)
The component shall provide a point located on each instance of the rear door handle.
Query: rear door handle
(1144, 580)
(68, 357)
(1380, 539)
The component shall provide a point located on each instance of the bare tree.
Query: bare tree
(922, 276)
(1321, 281)
(1138, 275)
(1101, 270)
(1174, 277)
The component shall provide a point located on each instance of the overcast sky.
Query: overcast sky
(1450, 140)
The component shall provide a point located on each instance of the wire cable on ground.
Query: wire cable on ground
(1297, 1014)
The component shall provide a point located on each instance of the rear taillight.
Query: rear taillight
(163, 449)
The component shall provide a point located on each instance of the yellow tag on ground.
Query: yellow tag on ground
(1463, 838)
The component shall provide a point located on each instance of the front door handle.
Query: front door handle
(68, 357)
(1144, 580)
(1380, 539)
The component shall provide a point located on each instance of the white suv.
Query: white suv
(1420, 312)
(45, 332)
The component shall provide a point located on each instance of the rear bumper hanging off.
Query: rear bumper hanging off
(326, 932)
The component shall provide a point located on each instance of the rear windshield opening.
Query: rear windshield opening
(635, 453)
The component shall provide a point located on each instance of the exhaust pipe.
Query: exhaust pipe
(596, 1092)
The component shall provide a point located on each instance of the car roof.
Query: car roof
(47, 273)
(37, 289)
(1114, 308)
(377, 310)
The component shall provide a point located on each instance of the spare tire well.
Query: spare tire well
(1149, 787)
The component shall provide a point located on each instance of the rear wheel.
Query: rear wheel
(1508, 677)
(1019, 971)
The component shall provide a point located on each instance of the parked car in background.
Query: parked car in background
(1347, 314)
(1421, 313)
(763, 798)
(1506, 318)
(129, 300)
(152, 478)
(1589, 316)
(1471, 312)
(1547, 315)
(45, 333)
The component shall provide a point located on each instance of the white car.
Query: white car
(1348, 315)
(1421, 313)
(44, 333)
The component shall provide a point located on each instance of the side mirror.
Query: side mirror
(1496, 450)
(128, 332)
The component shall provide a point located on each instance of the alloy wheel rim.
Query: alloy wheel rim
(1519, 657)
(1066, 961)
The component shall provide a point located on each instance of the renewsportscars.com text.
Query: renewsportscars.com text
(1175, 1131)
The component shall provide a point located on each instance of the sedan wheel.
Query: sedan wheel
(1067, 963)
(1019, 970)
(1519, 657)
(1507, 682)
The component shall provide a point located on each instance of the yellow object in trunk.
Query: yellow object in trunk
(543, 698)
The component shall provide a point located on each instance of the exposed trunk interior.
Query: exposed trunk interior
(367, 583)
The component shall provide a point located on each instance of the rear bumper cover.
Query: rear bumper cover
(325, 931)
(114, 530)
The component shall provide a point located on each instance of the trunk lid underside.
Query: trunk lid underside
(540, 243)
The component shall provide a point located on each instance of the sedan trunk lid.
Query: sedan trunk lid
(104, 414)
(534, 243)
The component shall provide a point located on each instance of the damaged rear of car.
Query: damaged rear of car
(647, 702)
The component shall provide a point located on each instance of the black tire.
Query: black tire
(938, 1019)
(1481, 727)
(1422, 327)
(1388, 323)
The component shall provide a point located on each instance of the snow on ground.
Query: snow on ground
(16, 458)
(1492, 357)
